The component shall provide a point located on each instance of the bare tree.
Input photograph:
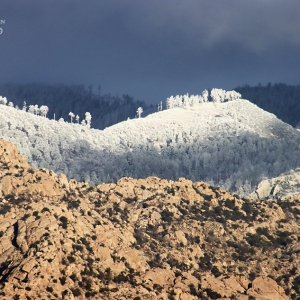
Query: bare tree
(205, 95)
(71, 116)
(88, 119)
(159, 106)
(139, 112)
(24, 106)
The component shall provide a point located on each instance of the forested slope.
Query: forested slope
(234, 145)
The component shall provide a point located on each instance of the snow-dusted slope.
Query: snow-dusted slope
(233, 144)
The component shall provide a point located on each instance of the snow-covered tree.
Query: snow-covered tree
(3, 100)
(205, 95)
(186, 100)
(232, 95)
(10, 104)
(44, 110)
(36, 109)
(71, 116)
(31, 109)
(88, 119)
(170, 102)
(178, 101)
(139, 112)
(193, 100)
(61, 120)
(200, 99)
(77, 118)
(24, 106)
(215, 95)
(159, 106)
(218, 95)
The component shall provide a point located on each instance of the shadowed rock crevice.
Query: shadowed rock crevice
(15, 235)
(6, 269)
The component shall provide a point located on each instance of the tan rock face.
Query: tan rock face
(10, 158)
(18, 178)
(140, 239)
(160, 277)
(267, 288)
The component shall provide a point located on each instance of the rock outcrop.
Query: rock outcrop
(283, 186)
(140, 239)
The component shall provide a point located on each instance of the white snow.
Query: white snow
(233, 144)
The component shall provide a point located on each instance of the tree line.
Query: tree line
(62, 100)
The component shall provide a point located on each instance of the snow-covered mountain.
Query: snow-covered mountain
(233, 144)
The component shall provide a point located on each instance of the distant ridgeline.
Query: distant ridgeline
(59, 100)
(280, 99)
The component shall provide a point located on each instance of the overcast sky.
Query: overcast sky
(150, 49)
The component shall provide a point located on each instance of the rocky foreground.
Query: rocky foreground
(140, 239)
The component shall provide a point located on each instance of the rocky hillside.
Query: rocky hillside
(140, 239)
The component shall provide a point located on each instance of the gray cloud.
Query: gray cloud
(150, 49)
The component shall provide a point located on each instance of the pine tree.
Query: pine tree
(3, 100)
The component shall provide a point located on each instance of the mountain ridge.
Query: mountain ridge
(237, 139)
(140, 239)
